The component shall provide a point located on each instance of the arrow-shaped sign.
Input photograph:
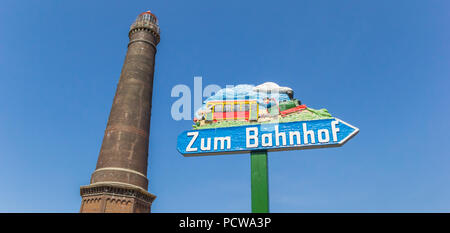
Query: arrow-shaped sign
(297, 135)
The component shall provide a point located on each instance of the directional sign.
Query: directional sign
(297, 135)
(255, 120)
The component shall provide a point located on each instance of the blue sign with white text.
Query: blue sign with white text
(296, 135)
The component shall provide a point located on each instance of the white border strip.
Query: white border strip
(119, 169)
(119, 183)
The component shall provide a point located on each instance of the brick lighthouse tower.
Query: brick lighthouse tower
(119, 182)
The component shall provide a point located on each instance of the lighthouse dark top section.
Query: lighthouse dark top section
(122, 161)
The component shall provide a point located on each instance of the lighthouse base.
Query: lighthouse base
(111, 197)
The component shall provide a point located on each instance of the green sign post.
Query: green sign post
(260, 182)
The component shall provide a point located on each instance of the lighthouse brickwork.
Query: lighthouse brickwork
(119, 182)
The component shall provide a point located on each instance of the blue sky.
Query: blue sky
(382, 66)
